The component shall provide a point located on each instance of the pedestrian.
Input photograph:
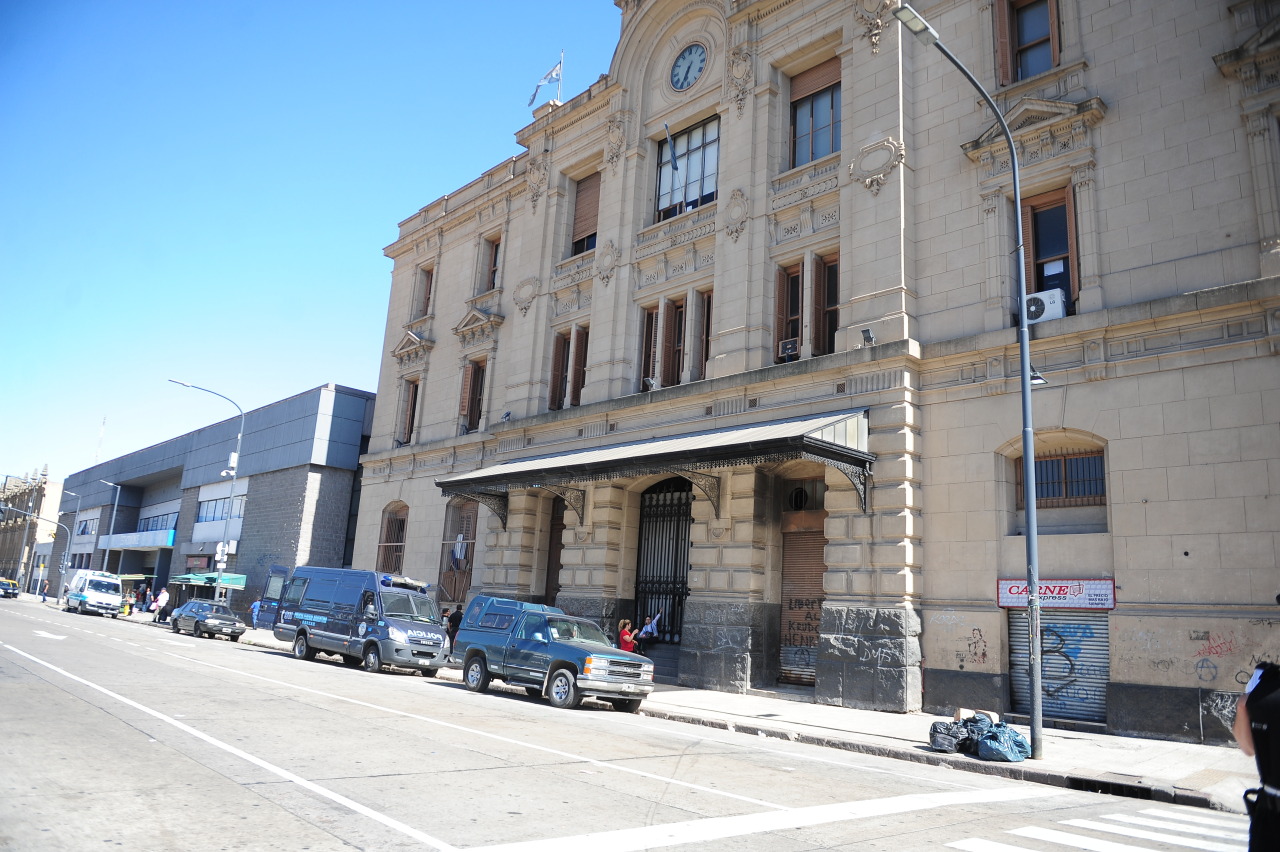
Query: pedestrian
(253, 613)
(44, 592)
(161, 606)
(455, 623)
(1257, 730)
(444, 619)
(625, 640)
(141, 594)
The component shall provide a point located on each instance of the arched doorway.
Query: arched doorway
(395, 522)
(804, 543)
(459, 550)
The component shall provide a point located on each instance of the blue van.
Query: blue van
(367, 618)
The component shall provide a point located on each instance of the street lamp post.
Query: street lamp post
(232, 467)
(920, 28)
(75, 523)
(115, 504)
(31, 516)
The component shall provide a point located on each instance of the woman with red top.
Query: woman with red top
(625, 640)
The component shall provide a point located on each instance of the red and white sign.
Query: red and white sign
(1060, 594)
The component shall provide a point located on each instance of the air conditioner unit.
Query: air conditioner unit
(1046, 305)
(790, 346)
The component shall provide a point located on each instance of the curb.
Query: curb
(1089, 784)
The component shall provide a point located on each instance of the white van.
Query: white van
(94, 591)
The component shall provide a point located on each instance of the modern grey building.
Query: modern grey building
(294, 501)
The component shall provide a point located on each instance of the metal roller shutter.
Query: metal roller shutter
(803, 564)
(1076, 663)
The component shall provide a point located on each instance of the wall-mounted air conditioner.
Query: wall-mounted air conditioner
(1046, 305)
(790, 346)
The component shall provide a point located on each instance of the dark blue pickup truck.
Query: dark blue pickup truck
(548, 653)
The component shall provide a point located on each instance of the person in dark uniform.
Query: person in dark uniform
(1257, 730)
(455, 622)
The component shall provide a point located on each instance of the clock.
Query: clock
(688, 66)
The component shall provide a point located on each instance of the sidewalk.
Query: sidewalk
(1182, 773)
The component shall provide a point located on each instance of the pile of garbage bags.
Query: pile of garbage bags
(981, 734)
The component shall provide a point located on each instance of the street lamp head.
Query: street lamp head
(1037, 379)
(918, 26)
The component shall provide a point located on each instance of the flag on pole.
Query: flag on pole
(552, 76)
(671, 149)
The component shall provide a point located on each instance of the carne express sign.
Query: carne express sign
(1060, 594)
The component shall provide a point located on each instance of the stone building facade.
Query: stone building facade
(735, 340)
(295, 494)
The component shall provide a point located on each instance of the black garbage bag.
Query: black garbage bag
(947, 736)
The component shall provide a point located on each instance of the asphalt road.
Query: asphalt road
(124, 736)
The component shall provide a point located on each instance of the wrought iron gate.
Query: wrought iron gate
(662, 563)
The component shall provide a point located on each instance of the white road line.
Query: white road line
(974, 844)
(719, 828)
(408, 830)
(498, 737)
(1097, 845)
(1184, 828)
(1188, 842)
(1240, 823)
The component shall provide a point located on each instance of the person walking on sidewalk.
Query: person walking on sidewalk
(1257, 730)
(161, 606)
(44, 592)
(253, 613)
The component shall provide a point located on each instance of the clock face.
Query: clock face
(688, 66)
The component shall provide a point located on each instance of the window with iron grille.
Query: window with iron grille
(395, 520)
(1067, 479)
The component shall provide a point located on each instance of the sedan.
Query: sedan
(207, 618)
(8, 588)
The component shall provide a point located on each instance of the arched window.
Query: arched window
(395, 520)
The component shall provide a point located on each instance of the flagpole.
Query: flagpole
(560, 81)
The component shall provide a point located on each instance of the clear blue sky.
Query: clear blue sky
(202, 191)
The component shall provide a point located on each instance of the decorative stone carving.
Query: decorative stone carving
(412, 349)
(606, 262)
(875, 162)
(735, 214)
(741, 76)
(526, 291)
(872, 14)
(1043, 130)
(537, 176)
(615, 137)
(477, 328)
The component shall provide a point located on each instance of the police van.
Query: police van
(367, 618)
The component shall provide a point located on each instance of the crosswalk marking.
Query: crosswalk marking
(1236, 822)
(1093, 844)
(1187, 829)
(973, 844)
(1141, 834)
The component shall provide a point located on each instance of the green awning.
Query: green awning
(229, 581)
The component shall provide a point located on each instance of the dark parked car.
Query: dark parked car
(207, 617)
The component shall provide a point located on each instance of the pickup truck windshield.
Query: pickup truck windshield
(104, 586)
(576, 630)
(409, 606)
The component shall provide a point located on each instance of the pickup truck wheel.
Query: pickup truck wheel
(476, 675)
(533, 692)
(301, 649)
(626, 705)
(564, 690)
(234, 637)
(372, 659)
(430, 672)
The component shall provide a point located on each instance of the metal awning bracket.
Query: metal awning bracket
(496, 503)
(574, 498)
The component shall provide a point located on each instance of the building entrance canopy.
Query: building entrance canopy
(229, 581)
(839, 440)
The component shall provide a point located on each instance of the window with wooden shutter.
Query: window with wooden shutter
(409, 416)
(586, 212)
(826, 290)
(673, 344)
(1049, 237)
(815, 112)
(578, 374)
(1026, 38)
(468, 376)
(559, 371)
(493, 254)
(649, 352)
(704, 334)
(426, 279)
(787, 316)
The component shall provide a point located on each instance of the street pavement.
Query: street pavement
(1208, 776)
